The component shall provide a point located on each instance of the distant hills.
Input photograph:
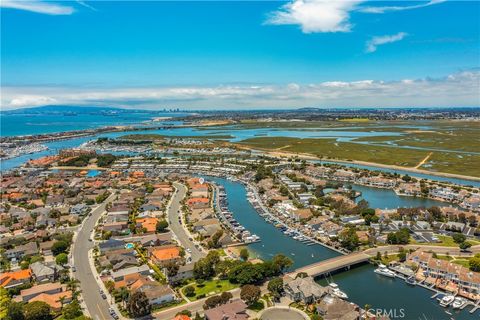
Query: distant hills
(63, 109)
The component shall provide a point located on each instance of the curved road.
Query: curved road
(97, 307)
(176, 227)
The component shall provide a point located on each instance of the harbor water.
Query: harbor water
(361, 284)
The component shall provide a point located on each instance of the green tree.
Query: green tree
(37, 310)
(189, 291)
(72, 310)
(459, 237)
(349, 239)
(399, 237)
(244, 254)
(464, 245)
(61, 259)
(275, 286)
(138, 305)
(161, 226)
(250, 294)
(15, 311)
(226, 296)
(59, 247)
(212, 302)
(4, 302)
(282, 262)
(474, 263)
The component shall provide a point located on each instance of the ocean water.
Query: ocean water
(36, 123)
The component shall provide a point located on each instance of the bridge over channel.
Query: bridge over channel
(333, 264)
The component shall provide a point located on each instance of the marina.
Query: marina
(415, 299)
(227, 219)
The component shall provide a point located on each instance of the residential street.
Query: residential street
(176, 227)
(97, 307)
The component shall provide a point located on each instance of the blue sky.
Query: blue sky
(240, 54)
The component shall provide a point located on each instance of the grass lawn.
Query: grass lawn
(211, 287)
(462, 262)
(447, 241)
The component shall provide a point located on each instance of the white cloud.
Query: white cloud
(459, 89)
(372, 44)
(37, 6)
(399, 8)
(329, 15)
(315, 15)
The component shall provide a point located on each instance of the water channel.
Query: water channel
(361, 284)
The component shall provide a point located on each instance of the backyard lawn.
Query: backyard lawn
(209, 288)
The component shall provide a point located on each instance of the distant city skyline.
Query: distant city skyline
(240, 55)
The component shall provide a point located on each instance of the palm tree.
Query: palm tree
(124, 295)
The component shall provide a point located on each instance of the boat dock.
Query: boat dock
(227, 219)
(256, 202)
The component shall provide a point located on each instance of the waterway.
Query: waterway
(388, 199)
(361, 284)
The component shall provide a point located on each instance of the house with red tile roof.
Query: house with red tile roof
(15, 278)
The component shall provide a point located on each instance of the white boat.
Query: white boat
(446, 300)
(384, 271)
(336, 291)
(458, 302)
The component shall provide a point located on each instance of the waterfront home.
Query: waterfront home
(301, 214)
(304, 290)
(378, 182)
(446, 194)
(16, 278)
(472, 203)
(198, 203)
(409, 189)
(234, 310)
(333, 308)
(343, 175)
(442, 272)
(316, 222)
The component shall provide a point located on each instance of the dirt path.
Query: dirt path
(284, 147)
(421, 163)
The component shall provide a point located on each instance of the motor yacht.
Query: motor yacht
(458, 302)
(384, 271)
(337, 292)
